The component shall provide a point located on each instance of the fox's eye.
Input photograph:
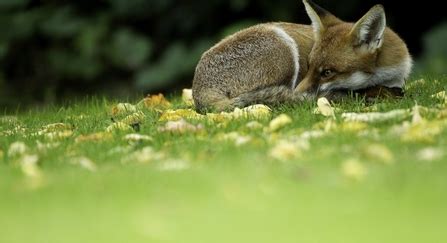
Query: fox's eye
(326, 73)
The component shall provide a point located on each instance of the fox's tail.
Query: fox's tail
(269, 96)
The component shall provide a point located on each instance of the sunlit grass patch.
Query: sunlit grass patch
(285, 174)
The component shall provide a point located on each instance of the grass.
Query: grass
(205, 189)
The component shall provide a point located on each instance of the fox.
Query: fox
(279, 62)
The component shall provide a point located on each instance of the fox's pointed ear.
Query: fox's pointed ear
(368, 32)
(320, 17)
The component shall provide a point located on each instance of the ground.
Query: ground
(72, 173)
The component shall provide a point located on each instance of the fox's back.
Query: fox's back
(260, 56)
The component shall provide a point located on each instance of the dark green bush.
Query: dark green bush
(434, 58)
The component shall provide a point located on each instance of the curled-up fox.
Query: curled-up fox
(285, 62)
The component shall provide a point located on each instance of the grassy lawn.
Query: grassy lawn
(316, 179)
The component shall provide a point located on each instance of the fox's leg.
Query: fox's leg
(380, 92)
(370, 94)
(337, 95)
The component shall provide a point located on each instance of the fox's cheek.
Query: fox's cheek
(335, 83)
(351, 81)
(326, 82)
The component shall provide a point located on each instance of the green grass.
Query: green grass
(224, 192)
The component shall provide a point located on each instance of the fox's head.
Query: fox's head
(349, 55)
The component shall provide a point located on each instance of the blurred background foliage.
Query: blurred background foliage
(54, 49)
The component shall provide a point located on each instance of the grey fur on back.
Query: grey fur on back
(252, 66)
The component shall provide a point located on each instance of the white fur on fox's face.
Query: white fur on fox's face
(353, 56)
(391, 77)
(357, 80)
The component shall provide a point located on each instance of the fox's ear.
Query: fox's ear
(320, 17)
(367, 33)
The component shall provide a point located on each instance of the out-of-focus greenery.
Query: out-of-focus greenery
(52, 49)
(434, 59)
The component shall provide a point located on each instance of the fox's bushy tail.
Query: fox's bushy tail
(268, 95)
